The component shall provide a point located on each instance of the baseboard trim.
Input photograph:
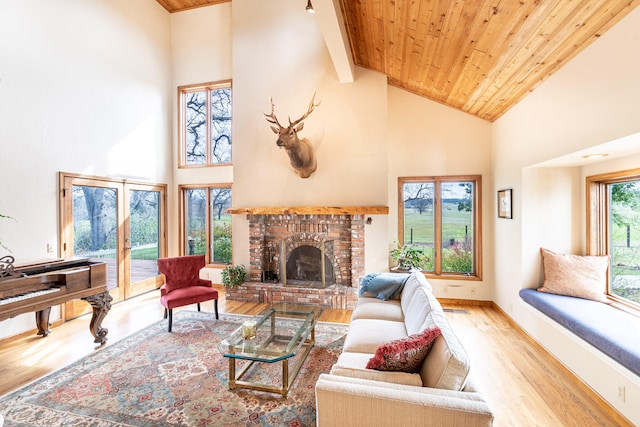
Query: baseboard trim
(453, 301)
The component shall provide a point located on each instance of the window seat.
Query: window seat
(612, 331)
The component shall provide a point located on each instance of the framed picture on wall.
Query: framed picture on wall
(504, 204)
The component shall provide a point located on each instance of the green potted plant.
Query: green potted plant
(409, 256)
(233, 275)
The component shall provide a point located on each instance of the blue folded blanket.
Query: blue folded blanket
(383, 286)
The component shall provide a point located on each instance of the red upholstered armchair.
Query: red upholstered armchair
(183, 285)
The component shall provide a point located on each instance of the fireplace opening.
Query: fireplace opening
(308, 266)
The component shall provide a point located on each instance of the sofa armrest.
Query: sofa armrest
(353, 402)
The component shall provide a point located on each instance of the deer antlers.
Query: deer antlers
(312, 106)
(271, 118)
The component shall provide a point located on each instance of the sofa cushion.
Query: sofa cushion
(366, 335)
(422, 303)
(354, 365)
(574, 275)
(415, 281)
(405, 354)
(373, 308)
(447, 364)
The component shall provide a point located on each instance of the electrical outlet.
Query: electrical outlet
(472, 291)
(622, 391)
(49, 248)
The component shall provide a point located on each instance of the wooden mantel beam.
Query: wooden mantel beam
(312, 210)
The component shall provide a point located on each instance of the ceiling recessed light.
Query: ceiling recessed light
(595, 156)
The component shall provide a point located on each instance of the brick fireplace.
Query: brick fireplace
(304, 255)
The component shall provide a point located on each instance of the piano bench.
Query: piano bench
(187, 296)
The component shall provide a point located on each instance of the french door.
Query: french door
(118, 222)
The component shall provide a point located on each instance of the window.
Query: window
(206, 226)
(613, 228)
(441, 216)
(205, 124)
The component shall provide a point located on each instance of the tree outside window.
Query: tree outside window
(624, 242)
(439, 216)
(206, 224)
(613, 228)
(205, 121)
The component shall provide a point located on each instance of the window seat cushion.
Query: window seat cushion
(610, 330)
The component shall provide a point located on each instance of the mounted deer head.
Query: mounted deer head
(300, 151)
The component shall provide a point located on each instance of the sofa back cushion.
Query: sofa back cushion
(417, 311)
(415, 281)
(447, 364)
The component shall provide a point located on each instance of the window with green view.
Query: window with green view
(439, 216)
(207, 225)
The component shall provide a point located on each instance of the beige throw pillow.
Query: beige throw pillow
(574, 275)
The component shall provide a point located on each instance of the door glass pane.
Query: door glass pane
(221, 225)
(625, 240)
(196, 128)
(144, 211)
(95, 227)
(457, 227)
(419, 219)
(195, 205)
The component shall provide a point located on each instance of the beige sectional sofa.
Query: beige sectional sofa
(440, 394)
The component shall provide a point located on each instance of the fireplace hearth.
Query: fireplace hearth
(304, 255)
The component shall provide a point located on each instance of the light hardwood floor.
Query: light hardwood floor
(522, 383)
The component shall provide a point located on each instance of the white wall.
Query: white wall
(84, 88)
(591, 101)
(279, 52)
(200, 53)
(428, 139)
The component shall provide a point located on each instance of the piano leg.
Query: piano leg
(101, 304)
(42, 321)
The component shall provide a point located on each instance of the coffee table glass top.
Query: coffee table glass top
(276, 333)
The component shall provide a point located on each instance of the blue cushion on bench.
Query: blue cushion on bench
(607, 328)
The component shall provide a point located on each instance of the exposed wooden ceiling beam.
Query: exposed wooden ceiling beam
(329, 17)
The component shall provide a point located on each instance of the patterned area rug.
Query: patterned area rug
(156, 378)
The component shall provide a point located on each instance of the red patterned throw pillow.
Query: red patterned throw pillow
(406, 354)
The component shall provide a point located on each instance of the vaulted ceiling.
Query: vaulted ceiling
(478, 56)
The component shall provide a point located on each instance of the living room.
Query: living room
(90, 88)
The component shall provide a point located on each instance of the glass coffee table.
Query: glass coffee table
(276, 334)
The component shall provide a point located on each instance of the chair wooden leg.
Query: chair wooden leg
(170, 318)
(215, 306)
(198, 306)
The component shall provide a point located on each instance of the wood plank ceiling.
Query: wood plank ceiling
(478, 56)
